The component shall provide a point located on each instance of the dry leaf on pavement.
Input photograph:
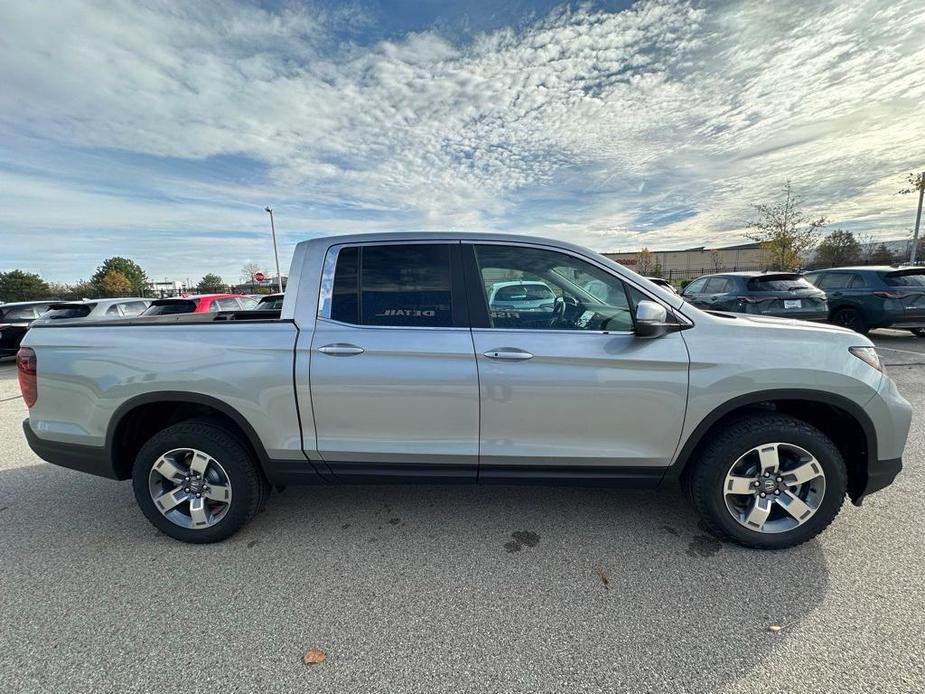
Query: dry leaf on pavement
(314, 656)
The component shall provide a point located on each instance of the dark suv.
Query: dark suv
(779, 294)
(862, 298)
(15, 319)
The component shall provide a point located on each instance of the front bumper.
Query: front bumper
(89, 459)
(879, 475)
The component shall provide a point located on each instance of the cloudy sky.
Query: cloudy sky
(160, 130)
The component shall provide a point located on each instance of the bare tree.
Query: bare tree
(784, 231)
(248, 270)
(915, 183)
(644, 262)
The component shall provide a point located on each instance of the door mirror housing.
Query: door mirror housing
(652, 320)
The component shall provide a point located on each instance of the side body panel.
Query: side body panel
(86, 372)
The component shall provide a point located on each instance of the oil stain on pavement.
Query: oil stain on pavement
(522, 538)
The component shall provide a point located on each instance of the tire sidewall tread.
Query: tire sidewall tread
(248, 486)
(738, 437)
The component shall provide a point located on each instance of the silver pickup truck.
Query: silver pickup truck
(387, 363)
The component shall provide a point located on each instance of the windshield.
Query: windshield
(915, 279)
(778, 283)
(75, 311)
(170, 307)
(271, 303)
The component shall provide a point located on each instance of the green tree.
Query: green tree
(114, 283)
(838, 248)
(17, 285)
(211, 284)
(784, 231)
(136, 277)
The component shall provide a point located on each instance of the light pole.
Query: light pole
(918, 219)
(279, 277)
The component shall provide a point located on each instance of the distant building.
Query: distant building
(166, 288)
(268, 285)
(692, 262)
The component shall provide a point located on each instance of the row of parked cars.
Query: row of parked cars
(859, 298)
(16, 318)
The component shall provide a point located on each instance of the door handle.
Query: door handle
(341, 349)
(509, 353)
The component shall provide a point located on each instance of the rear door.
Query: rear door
(569, 391)
(393, 379)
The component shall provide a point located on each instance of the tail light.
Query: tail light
(891, 295)
(25, 368)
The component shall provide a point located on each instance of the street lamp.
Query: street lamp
(279, 277)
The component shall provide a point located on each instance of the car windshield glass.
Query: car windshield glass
(21, 313)
(76, 311)
(524, 292)
(916, 279)
(170, 307)
(778, 283)
(271, 303)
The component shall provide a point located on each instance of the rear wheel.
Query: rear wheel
(850, 318)
(196, 482)
(769, 482)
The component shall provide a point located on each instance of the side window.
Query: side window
(133, 308)
(227, 304)
(857, 282)
(696, 287)
(213, 306)
(717, 285)
(834, 280)
(565, 293)
(394, 285)
(247, 303)
(812, 278)
(113, 310)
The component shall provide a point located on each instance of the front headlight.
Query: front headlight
(868, 355)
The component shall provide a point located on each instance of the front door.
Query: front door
(393, 379)
(567, 390)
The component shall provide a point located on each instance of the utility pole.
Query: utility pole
(279, 277)
(918, 219)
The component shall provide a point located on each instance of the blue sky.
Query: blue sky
(160, 130)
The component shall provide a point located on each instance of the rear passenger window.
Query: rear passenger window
(834, 280)
(717, 285)
(857, 282)
(393, 285)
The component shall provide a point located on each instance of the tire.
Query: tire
(918, 332)
(228, 466)
(850, 318)
(741, 444)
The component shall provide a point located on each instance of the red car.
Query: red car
(200, 303)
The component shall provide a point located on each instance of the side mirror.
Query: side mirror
(651, 320)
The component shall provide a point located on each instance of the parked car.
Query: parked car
(95, 309)
(663, 283)
(199, 303)
(862, 298)
(779, 294)
(270, 302)
(15, 319)
(387, 364)
(520, 295)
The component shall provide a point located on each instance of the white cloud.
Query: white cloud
(595, 126)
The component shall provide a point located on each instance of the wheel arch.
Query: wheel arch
(140, 417)
(823, 410)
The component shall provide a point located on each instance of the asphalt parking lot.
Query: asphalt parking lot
(432, 589)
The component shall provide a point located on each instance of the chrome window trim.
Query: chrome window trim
(326, 288)
(341, 324)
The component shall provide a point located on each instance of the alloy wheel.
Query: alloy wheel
(190, 488)
(774, 487)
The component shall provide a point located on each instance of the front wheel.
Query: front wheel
(769, 482)
(196, 482)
